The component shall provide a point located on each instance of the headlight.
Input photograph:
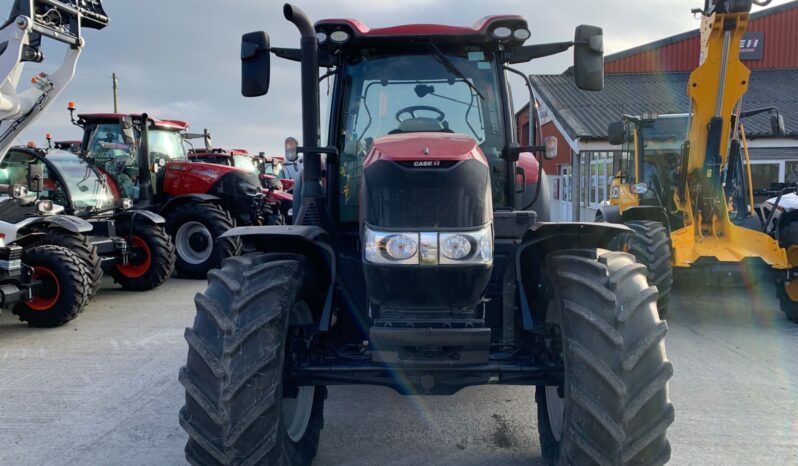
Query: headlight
(429, 248)
(44, 206)
(455, 246)
(127, 203)
(472, 247)
(391, 247)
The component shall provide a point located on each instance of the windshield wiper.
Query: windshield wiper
(443, 60)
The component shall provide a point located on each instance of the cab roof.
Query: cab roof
(166, 124)
(479, 32)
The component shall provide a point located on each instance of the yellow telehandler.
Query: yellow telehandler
(683, 181)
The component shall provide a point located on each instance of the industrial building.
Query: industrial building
(652, 78)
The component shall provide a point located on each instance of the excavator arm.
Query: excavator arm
(20, 42)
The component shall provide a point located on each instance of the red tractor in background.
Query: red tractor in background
(148, 163)
(278, 200)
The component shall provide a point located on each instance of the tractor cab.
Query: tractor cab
(113, 142)
(67, 180)
(648, 168)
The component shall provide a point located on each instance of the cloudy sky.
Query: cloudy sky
(179, 59)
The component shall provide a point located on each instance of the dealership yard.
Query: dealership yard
(103, 390)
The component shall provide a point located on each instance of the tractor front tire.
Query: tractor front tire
(613, 408)
(651, 246)
(82, 246)
(65, 289)
(152, 258)
(239, 409)
(195, 229)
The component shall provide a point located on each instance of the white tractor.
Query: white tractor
(44, 280)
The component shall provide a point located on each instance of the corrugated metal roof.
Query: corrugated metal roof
(586, 115)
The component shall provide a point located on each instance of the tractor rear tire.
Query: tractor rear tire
(65, 290)
(613, 408)
(236, 411)
(651, 246)
(154, 257)
(205, 222)
(82, 246)
(788, 237)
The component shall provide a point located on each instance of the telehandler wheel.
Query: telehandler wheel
(65, 286)
(651, 247)
(195, 229)
(80, 245)
(613, 407)
(787, 291)
(152, 258)
(239, 408)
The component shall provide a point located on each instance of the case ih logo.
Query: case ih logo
(426, 163)
(752, 46)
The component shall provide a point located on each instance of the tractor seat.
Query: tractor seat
(420, 125)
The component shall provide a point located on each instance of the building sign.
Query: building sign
(752, 46)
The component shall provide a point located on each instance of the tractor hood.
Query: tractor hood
(426, 180)
(425, 150)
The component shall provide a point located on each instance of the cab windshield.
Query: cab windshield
(88, 190)
(167, 145)
(72, 180)
(659, 147)
(245, 162)
(425, 90)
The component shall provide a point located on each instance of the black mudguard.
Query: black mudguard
(67, 222)
(611, 213)
(183, 199)
(140, 215)
(310, 241)
(544, 238)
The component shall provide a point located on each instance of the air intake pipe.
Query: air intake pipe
(309, 45)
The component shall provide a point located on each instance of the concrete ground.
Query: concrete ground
(103, 390)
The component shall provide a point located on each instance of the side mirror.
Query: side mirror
(255, 64)
(35, 177)
(639, 188)
(589, 58)
(616, 133)
(127, 131)
(777, 125)
(290, 149)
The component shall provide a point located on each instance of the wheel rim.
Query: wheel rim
(194, 242)
(49, 285)
(296, 412)
(555, 405)
(142, 264)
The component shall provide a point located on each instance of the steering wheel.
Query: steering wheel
(416, 108)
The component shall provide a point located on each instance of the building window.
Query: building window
(791, 171)
(766, 172)
(596, 177)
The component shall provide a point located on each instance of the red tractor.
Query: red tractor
(148, 163)
(414, 265)
(276, 198)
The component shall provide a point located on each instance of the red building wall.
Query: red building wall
(548, 129)
(780, 42)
